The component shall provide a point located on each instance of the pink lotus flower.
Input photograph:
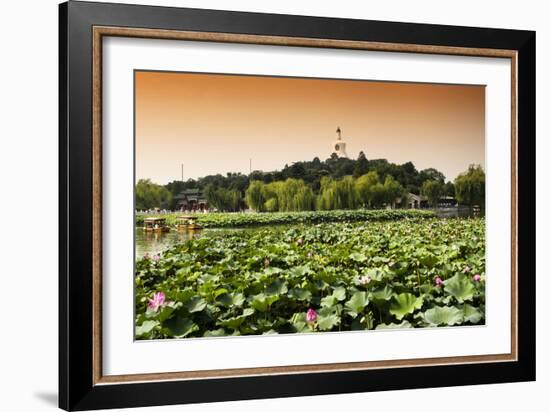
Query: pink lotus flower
(157, 301)
(156, 257)
(365, 280)
(300, 241)
(146, 256)
(438, 281)
(311, 315)
(476, 278)
(309, 254)
(466, 269)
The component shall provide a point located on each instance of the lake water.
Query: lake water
(152, 243)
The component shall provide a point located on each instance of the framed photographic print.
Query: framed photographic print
(257, 205)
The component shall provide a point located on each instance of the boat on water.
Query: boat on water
(187, 222)
(155, 224)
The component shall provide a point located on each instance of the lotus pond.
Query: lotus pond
(232, 220)
(410, 272)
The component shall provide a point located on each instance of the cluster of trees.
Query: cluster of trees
(336, 183)
(225, 200)
(348, 192)
(470, 187)
(281, 196)
(150, 195)
(312, 172)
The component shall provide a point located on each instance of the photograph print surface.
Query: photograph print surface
(275, 205)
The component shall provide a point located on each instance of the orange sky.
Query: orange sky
(216, 123)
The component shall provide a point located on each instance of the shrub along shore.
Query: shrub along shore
(227, 220)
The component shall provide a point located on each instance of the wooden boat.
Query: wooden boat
(187, 222)
(155, 224)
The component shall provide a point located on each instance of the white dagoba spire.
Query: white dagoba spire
(340, 145)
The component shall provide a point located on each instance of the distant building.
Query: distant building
(192, 200)
(416, 201)
(340, 145)
(421, 202)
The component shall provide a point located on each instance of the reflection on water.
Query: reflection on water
(153, 242)
(460, 211)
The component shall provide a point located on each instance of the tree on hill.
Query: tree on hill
(361, 165)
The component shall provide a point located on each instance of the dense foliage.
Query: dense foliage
(223, 199)
(150, 195)
(433, 190)
(315, 278)
(226, 220)
(470, 186)
(334, 194)
(312, 172)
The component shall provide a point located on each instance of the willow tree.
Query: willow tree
(295, 195)
(327, 199)
(347, 194)
(226, 200)
(364, 186)
(393, 190)
(470, 187)
(433, 190)
(254, 195)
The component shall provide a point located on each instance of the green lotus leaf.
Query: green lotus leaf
(235, 322)
(299, 294)
(427, 258)
(165, 312)
(195, 304)
(262, 302)
(329, 301)
(357, 257)
(272, 271)
(471, 314)
(339, 293)
(179, 327)
(357, 303)
(327, 318)
(444, 315)
(375, 274)
(299, 323)
(381, 294)
(300, 271)
(231, 299)
(220, 291)
(460, 287)
(277, 287)
(145, 328)
(404, 304)
(185, 294)
(403, 325)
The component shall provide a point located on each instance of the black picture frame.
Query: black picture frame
(77, 390)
